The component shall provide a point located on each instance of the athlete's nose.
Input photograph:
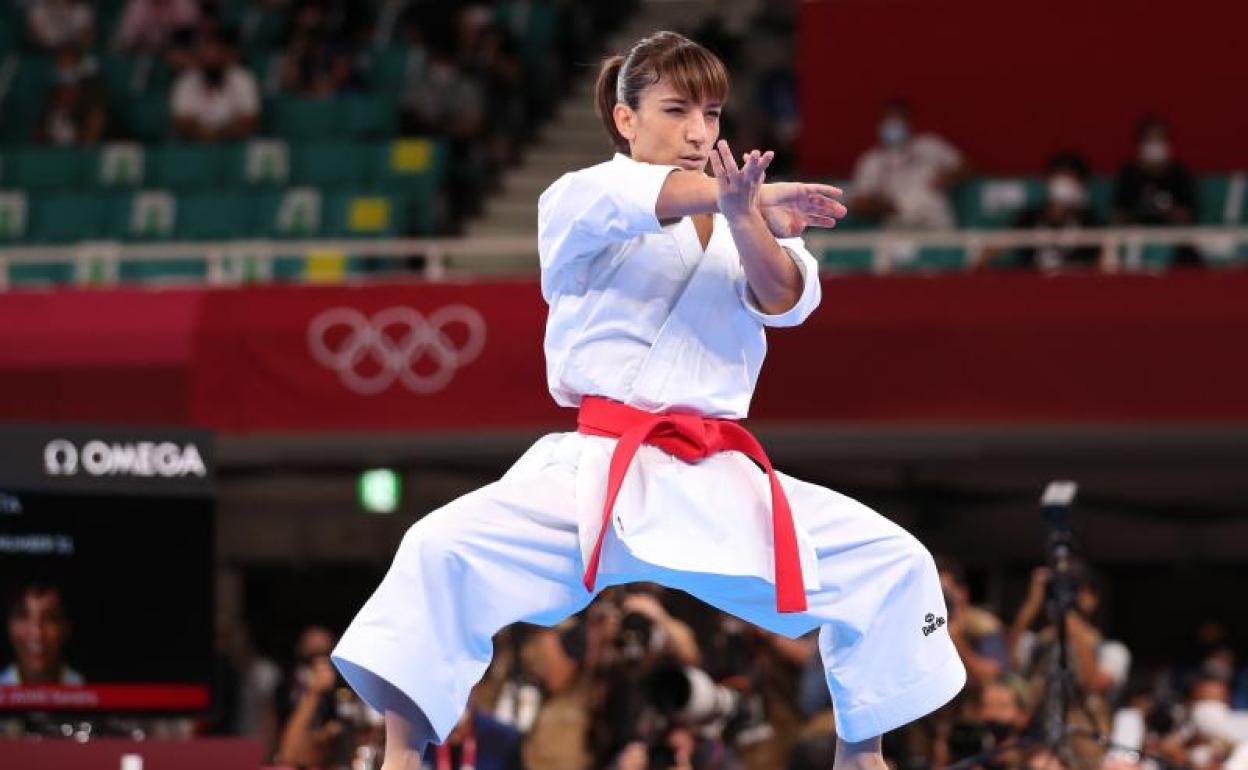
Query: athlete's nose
(695, 130)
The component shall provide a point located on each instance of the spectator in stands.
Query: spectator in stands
(977, 633)
(441, 100)
(1066, 206)
(904, 182)
(218, 99)
(490, 57)
(76, 112)
(53, 24)
(148, 26)
(318, 62)
(1155, 188)
(39, 629)
(311, 725)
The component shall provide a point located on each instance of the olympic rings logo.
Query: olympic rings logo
(395, 357)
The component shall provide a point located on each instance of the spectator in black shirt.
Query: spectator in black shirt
(1065, 206)
(1155, 188)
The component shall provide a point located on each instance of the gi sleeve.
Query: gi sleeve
(589, 209)
(806, 302)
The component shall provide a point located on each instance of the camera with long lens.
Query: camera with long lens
(688, 696)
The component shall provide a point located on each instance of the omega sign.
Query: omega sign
(123, 458)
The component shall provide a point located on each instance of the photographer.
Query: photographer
(997, 715)
(309, 733)
(978, 635)
(1099, 666)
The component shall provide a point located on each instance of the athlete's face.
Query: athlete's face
(669, 128)
(38, 630)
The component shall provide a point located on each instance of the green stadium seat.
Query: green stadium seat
(163, 271)
(413, 169)
(387, 70)
(995, 203)
(848, 260)
(66, 218)
(1101, 197)
(292, 213)
(215, 216)
(14, 213)
(186, 166)
(143, 215)
(41, 274)
(147, 118)
(123, 77)
(267, 161)
(331, 164)
(1222, 200)
(933, 259)
(301, 118)
(40, 168)
(371, 117)
(24, 102)
(121, 164)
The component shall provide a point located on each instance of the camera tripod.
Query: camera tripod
(1050, 728)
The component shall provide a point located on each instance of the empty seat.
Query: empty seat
(37, 168)
(304, 118)
(331, 164)
(215, 216)
(66, 218)
(186, 166)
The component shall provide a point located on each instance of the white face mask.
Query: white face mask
(894, 131)
(1066, 191)
(1154, 152)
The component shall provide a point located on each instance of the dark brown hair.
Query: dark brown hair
(695, 73)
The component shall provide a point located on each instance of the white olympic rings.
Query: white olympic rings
(395, 357)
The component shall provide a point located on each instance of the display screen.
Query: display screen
(108, 601)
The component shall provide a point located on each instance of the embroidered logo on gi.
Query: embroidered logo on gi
(932, 622)
(397, 344)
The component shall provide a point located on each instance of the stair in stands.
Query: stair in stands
(574, 138)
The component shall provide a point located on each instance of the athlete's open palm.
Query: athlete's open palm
(791, 207)
(739, 186)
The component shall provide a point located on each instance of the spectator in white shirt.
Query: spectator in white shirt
(217, 99)
(57, 23)
(904, 182)
(148, 26)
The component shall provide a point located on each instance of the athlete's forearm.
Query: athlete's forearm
(686, 193)
(774, 277)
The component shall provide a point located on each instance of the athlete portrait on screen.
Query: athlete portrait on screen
(663, 267)
(38, 629)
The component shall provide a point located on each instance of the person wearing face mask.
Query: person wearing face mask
(216, 99)
(904, 181)
(1155, 188)
(1065, 206)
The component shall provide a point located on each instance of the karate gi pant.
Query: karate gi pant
(515, 551)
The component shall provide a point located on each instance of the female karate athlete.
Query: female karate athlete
(661, 281)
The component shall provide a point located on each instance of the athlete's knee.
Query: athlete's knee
(433, 542)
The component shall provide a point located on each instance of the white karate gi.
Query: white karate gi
(641, 314)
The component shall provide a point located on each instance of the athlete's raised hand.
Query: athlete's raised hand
(739, 186)
(791, 207)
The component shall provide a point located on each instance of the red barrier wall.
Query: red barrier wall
(1012, 82)
(971, 348)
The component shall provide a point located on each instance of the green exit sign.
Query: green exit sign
(379, 490)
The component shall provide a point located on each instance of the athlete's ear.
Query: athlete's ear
(625, 120)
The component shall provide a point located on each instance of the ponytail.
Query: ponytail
(605, 99)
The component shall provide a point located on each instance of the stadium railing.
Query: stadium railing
(237, 262)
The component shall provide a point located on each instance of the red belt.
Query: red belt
(690, 437)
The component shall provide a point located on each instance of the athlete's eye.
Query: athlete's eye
(675, 111)
(713, 114)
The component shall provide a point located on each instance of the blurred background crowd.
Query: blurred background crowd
(292, 96)
(650, 678)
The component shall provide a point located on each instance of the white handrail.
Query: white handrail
(448, 257)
